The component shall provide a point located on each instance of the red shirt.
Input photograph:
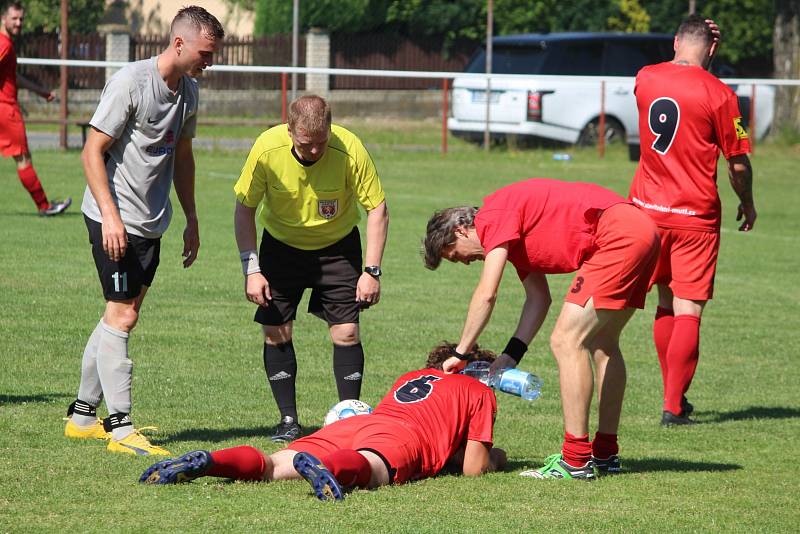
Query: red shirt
(686, 117)
(549, 225)
(444, 411)
(8, 70)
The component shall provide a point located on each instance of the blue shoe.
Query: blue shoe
(324, 483)
(608, 466)
(176, 470)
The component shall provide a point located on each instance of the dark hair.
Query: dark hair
(199, 19)
(440, 353)
(5, 6)
(441, 232)
(695, 27)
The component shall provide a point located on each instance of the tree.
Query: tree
(45, 15)
(787, 63)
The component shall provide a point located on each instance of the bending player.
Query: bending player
(427, 421)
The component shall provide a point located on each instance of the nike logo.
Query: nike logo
(137, 450)
(152, 121)
(283, 375)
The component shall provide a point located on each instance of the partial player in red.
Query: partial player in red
(686, 118)
(13, 141)
(429, 421)
(543, 226)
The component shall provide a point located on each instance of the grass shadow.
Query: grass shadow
(216, 434)
(754, 412)
(649, 465)
(37, 397)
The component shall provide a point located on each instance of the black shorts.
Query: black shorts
(123, 280)
(331, 273)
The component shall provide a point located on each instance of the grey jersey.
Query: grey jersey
(146, 120)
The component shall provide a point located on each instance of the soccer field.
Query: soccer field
(198, 373)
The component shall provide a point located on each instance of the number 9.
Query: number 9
(664, 117)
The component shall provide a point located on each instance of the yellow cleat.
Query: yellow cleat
(95, 431)
(136, 443)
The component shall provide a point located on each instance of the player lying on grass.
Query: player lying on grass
(427, 421)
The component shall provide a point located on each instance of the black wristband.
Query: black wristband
(462, 357)
(515, 348)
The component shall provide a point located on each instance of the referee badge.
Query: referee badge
(327, 208)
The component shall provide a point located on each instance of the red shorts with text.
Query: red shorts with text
(13, 141)
(687, 263)
(385, 436)
(616, 276)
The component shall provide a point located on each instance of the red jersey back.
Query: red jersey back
(686, 117)
(443, 410)
(8, 70)
(549, 225)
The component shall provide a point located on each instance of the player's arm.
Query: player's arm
(184, 189)
(368, 288)
(115, 238)
(256, 287)
(481, 305)
(741, 175)
(534, 310)
(478, 458)
(26, 83)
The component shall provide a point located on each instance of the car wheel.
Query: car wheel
(615, 133)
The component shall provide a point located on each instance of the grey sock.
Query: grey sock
(115, 370)
(90, 390)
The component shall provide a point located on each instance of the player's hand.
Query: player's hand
(256, 289)
(714, 30)
(115, 238)
(453, 365)
(368, 290)
(49, 96)
(504, 361)
(191, 241)
(749, 214)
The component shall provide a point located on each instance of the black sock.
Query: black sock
(281, 366)
(348, 368)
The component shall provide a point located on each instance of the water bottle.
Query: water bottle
(509, 380)
(562, 157)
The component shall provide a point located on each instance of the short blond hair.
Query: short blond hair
(312, 113)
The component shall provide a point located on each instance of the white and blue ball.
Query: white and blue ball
(347, 408)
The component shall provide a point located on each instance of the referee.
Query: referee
(308, 177)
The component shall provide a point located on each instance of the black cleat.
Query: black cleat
(608, 466)
(686, 406)
(669, 419)
(287, 430)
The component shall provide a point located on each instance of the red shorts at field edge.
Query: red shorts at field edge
(616, 275)
(395, 442)
(13, 141)
(687, 263)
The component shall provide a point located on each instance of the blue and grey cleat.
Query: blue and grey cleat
(176, 470)
(325, 485)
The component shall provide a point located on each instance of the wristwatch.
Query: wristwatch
(373, 270)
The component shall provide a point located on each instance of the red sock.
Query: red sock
(349, 467)
(604, 445)
(31, 182)
(662, 333)
(240, 463)
(682, 356)
(577, 450)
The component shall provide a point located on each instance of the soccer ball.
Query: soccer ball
(347, 408)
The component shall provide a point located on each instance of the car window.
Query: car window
(584, 58)
(625, 58)
(510, 60)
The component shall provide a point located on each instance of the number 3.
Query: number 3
(664, 117)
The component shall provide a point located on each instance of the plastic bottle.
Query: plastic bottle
(562, 157)
(509, 380)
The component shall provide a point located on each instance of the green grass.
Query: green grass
(198, 372)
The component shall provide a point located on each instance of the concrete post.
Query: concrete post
(318, 54)
(117, 30)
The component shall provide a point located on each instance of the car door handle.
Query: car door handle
(621, 91)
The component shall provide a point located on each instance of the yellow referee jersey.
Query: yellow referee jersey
(309, 207)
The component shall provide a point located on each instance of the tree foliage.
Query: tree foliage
(45, 15)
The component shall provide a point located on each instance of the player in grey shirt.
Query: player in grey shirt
(139, 144)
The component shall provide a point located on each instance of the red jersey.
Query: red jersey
(8, 71)
(549, 225)
(686, 117)
(443, 411)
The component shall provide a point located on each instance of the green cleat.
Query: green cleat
(555, 467)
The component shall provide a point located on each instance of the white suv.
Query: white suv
(555, 106)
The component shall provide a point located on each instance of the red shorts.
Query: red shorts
(616, 276)
(13, 141)
(385, 436)
(688, 262)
